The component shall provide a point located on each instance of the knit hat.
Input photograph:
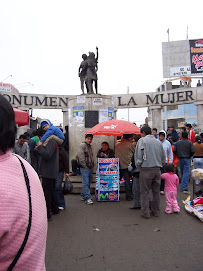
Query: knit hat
(44, 122)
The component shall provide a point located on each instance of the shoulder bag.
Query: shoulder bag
(30, 218)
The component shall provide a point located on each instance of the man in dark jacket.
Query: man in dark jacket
(184, 150)
(173, 134)
(49, 168)
(105, 151)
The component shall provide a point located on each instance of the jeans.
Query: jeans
(86, 182)
(163, 170)
(198, 162)
(126, 176)
(136, 192)
(59, 191)
(184, 164)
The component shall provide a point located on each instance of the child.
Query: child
(171, 183)
(51, 130)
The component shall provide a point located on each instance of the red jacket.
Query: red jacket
(191, 135)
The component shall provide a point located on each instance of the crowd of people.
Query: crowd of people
(151, 160)
(140, 157)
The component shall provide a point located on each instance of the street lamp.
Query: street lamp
(5, 79)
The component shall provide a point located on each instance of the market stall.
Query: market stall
(114, 128)
(107, 175)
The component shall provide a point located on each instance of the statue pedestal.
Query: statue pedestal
(84, 112)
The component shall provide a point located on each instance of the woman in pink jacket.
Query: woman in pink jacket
(23, 219)
(171, 183)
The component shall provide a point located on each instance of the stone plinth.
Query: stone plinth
(75, 118)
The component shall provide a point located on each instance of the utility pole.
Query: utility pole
(187, 33)
(128, 108)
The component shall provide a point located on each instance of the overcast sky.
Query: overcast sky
(42, 42)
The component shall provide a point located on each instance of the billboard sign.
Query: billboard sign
(7, 87)
(196, 56)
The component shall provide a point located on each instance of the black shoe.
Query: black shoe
(55, 212)
(135, 208)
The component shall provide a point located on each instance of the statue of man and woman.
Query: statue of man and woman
(88, 72)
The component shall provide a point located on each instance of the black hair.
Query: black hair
(27, 134)
(162, 133)
(88, 135)
(136, 137)
(198, 139)
(189, 125)
(184, 134)
(23, 136)
(154, 129)
(170, 168)
(127, 136)
(40, 132)
(146, 129)
(183, 128)
(7, 125)
(105, 143)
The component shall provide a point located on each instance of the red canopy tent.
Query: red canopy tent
(21, 117)
(114, 128)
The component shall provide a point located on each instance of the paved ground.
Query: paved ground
(125, 241)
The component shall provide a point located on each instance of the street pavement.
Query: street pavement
(108, 236)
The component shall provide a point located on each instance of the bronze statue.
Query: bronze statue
(88, 72)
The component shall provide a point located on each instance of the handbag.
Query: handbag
(29, 221)
(67, 186)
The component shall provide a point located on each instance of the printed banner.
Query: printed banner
(107, 179)
(196, 56)
(78, 115)
(103, 114)
(111, 113)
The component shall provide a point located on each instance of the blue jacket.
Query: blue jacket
(53, 130)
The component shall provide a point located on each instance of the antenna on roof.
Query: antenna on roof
(168, 34)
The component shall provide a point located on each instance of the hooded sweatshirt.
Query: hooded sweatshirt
(167, 148)
(53, 130)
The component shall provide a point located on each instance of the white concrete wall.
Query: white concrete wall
(175, 54)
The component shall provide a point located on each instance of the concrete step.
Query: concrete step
(77, 184)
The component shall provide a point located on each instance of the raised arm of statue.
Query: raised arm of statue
(97, 54)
